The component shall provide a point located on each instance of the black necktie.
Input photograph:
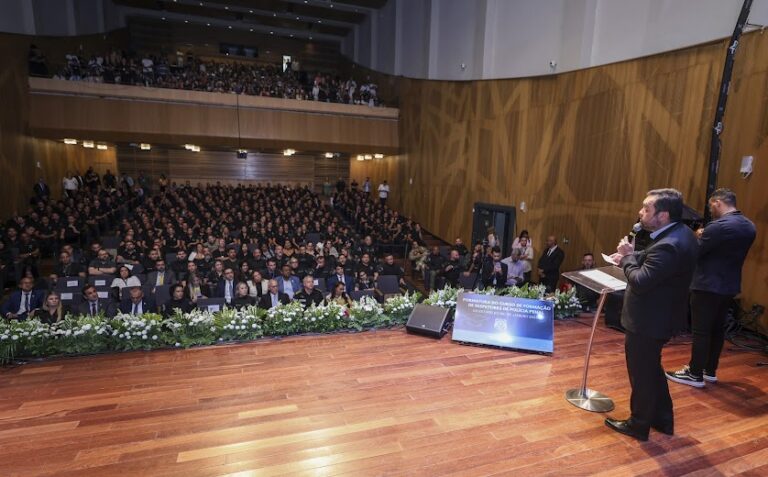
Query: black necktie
(93, 309)
(26, 302)
(135, 309)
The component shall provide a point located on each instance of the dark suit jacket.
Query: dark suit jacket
(349, 282)
(722, 249)
(220, 292)
(656, 298)
(551, 264)
(487, 274)
(266, 300)
(147, 305)
(107, 307)
(13, 302)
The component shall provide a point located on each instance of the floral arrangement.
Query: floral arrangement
(445, 298)
(532, 292)
(238, 325)
(368, 313)
(86, 334)
(131, 332)
(567, 303)
(284, 319)
(399, 308)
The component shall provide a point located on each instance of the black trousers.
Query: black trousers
(708, 313)
(650, 402)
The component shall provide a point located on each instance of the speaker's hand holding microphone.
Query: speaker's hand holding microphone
(627, 244)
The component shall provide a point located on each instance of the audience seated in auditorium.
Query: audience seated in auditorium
(178, 302)
(309, 295)
(242, 299)
(22, 301)
(339, 295)
(515, 269)
(494, 271)
(51, 311)
(244, 77)
(137, 304)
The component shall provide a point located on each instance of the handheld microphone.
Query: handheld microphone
(635, 230)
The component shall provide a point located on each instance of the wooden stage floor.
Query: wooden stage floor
(374, 403)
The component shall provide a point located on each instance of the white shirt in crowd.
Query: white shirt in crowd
(383, 191)
(69, 183)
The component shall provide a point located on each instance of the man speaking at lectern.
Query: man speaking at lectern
(658, 278)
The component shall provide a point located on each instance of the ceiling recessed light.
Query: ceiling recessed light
(250, 11)
(378, 156)
(226, 8)
(208, 24)
(271, 33)
(251, 29)
(310, 37)
(101, 147)
(328, 155)
(297, 18)
(186, 21)
(274, 14)
(70, 141)
(319, 21)
(230, 27)
(144, 146)
(88, 144)
(163, 18)
(291, 36)
(201, 4)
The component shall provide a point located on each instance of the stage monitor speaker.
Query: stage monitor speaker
(428, 320)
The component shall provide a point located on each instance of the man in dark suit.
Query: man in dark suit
(22, 301)
(41, 189)
(161, 276)
(723, 246)
(656, 297)
(137, 303)
(92, 305)
(225, 288)
(309, 295)
(274, 297)
(549, 264)
(494, 273)
(340, 276)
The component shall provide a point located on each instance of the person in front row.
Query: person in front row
(179, 301)
(23, 300)
(309, 295)
(452, 268)
(339, 295)
(274, 297)
(92, 306)
(137, 304)
(51, 311)
(655, 299)
(242, 297)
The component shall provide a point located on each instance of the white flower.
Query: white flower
(15, 337)
(178, 345)
(154, 337)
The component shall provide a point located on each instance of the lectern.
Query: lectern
(602, 280)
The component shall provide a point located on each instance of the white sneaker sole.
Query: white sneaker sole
(710, 379)
(695, 384)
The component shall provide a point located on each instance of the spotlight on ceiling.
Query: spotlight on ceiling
(70, 141)
(88, 144)
(101, 147)
(328, 155)
(145, 147)
(378, 156)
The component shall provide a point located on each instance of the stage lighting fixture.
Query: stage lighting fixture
(145, 147)
(88, 144)
(329, 155)
(378, 156)
(70, 141)
(101, 147)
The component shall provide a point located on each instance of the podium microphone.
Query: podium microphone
(635, 230)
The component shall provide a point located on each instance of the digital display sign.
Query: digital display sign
(507, 322)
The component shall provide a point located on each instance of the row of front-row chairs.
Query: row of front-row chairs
(70, 290)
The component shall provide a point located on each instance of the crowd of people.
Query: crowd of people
(248, 244)
(195, 74)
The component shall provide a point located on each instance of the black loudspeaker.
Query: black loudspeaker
(429, 320)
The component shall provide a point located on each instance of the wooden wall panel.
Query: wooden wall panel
(117, 113)
(211, 166)
(23, 158)
(582, 148)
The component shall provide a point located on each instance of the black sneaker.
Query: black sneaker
(710, 378)
(684, 376)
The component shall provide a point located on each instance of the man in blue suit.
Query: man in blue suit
(22, 301)
(656, 297)
(340, 276)
(288, 283)
(723, 246)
